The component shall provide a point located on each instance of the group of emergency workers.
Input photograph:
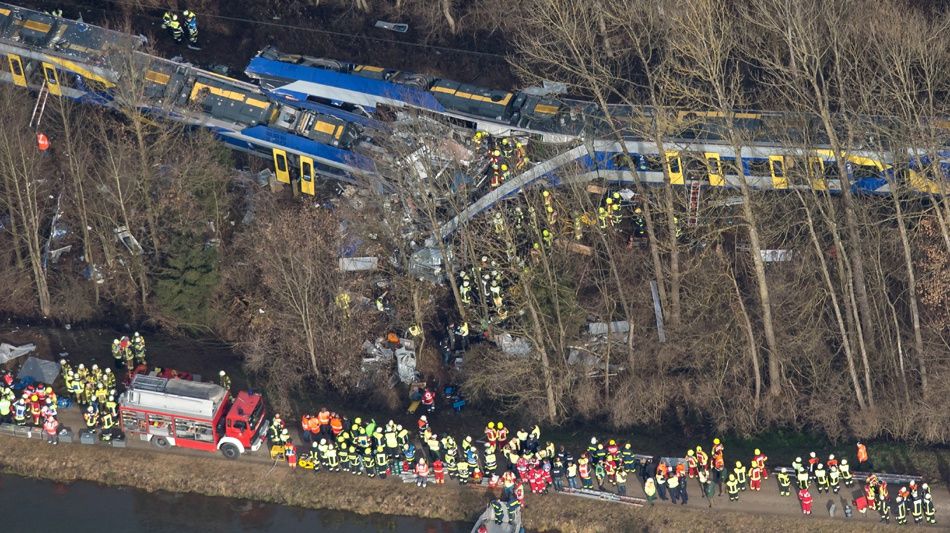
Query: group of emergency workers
(172, 23)
(517, 461)
(506, 155)
(129, 352)
(35, 406)
(94, 391)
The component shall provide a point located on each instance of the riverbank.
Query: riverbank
(210, 475)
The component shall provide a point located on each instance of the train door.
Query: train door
(816, 174)
(714, 169)
(675, 168)
(306, 175)
(777, 168)
(280, 166)
(16, 70)
(52, 79)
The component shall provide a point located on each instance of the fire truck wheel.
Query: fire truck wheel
(161, 442)
(230, 451)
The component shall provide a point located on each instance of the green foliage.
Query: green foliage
(186, 280)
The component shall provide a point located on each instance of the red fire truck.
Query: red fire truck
(191, 414)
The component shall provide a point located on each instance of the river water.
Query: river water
(36, 505)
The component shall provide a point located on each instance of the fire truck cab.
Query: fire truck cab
(192, 414)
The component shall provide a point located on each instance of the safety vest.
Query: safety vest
(422, 470)
(834, 475)
(756, 474)
(571, 470)
(783, 479)
(691, 461)
(901, 511)
(583, 470)
(50, 426)
(620, 477)
(649, 488)
(19, 410)
(673, 482)
(928, 507)
(845, 471)
(491, 434)
(740, 474)
(490, 459)
(382, 459)
(862, 453)
(503, 434)
(5, 406)
(802, 475)
(732, 486)
(331, 456)
(918, 507)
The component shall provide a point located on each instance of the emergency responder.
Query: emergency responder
(803, 479)
(846, 475)
(821, 476)
(732, 487)
(901, 511)
(783, 482)
(805, 498)
(108, 423)
(91, 418)
(929, 511)
(225, 380)
(19, 412)
(620, 479)
(51, 428)
(138, 347)
(6, 408)
(864, 462)
(834, 478)
(191, 26)
(740, 471)
(917, 509)
(422, 473)
(884, 510)
(117, 353)
(382, 462)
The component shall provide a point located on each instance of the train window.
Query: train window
(759, 167)
(831, 170)
(281, 163)
(715, 167)
(778, 168)
(674, 164)
(623, 162)
(17, 68)
(864, 172)
(652, 163)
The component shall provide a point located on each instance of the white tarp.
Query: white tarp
(9, 352)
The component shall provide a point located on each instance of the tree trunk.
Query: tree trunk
(912, 293)
(536, 326)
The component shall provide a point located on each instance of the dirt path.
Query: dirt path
(255, 477)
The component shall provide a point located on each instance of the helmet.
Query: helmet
(90, 409)
(758, 451)
(612, 442)
(491, 425)
(398, 427)
(820, 466)
(913, 483)
(732, 477)
(928, 497)
(546, 194)
(831, 457)
(323, 441)
(487, 445)
(738, 464)
(593, 440)
(423, 418)
(699, 449)
(82, 366)
(845, 461)
(314, 444)
(716, 440)
(798, 459)
(925, 486)
(108, 370)
(136, 334)
(114, 341)
(500, 425)
(174, 17)
(690, 453)
(221, 373)
(95, 366)
(627, 446)
(898, 499)
(359, 420)
(782, 470)
(812, 454)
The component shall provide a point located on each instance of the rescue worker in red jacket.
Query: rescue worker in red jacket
(439, 470)
(805, 498)
(760, 459)
(428, 400)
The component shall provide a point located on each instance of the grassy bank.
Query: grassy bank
(256, 480)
